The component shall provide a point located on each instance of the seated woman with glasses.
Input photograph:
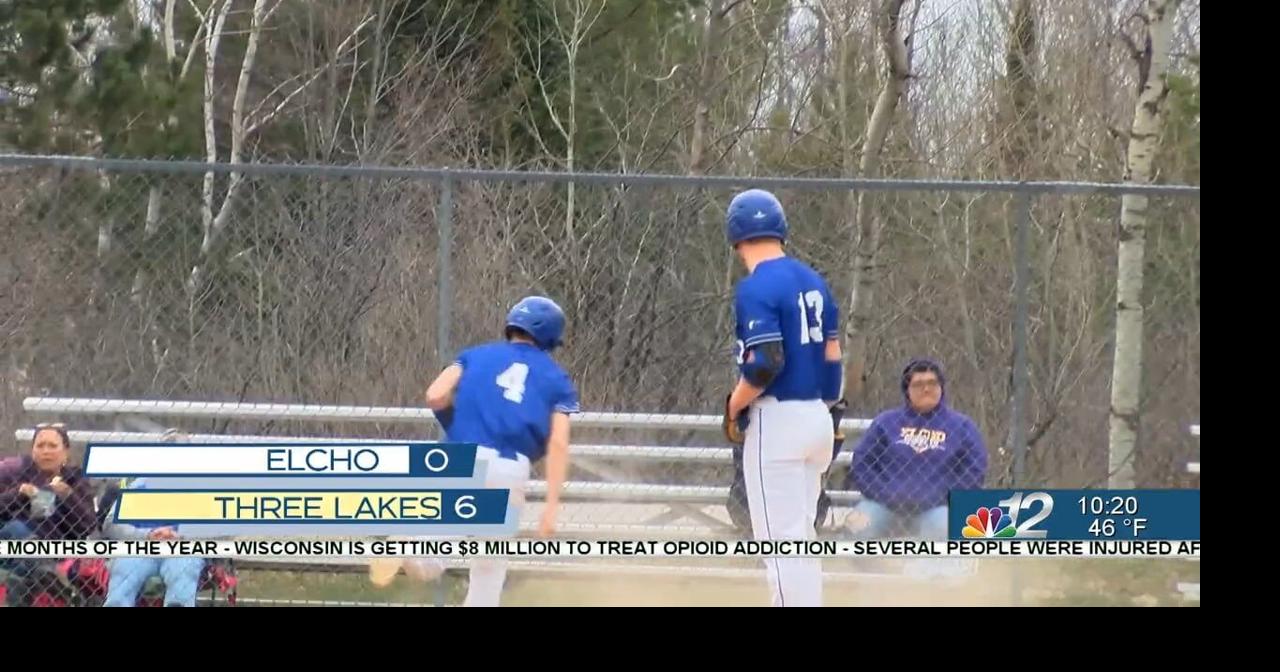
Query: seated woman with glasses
(43, 496)
(910, 459)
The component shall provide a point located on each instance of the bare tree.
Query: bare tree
(1152, 59)
(867, 240)
(707, 75)
(245, 122)
(151, 224)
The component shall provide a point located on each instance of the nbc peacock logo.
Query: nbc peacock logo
(988, 524)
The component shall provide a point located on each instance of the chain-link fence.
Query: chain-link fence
(353, 286)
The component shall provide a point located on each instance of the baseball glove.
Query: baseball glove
(735, 427)
(837, 414)
(824, 500)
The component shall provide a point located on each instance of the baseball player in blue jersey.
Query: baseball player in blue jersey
(789, 361)
(513, 401)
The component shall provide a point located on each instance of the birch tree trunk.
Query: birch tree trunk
(1126, 374)
(151, 223)
(212, 39)
(868, 229)
(571, 31)
(213, 225)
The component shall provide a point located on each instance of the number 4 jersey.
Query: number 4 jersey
(785, 300)
(506, 396)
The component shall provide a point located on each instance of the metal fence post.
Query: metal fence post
(1021, 377)
(444, 317)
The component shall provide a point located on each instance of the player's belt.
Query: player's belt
(512, 455)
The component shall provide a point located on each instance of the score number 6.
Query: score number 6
(1017, 502)
(464, 507)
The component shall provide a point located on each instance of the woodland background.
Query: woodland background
(324, 290)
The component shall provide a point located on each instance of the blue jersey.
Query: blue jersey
(786, 300)
(506, 396)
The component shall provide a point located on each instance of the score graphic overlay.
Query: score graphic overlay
(1163, 516)
(279, 500)
(282, 490)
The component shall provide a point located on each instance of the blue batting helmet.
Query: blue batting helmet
(539, 317)
(755, 213)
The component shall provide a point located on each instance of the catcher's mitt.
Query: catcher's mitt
(837, 414)
(735, 428)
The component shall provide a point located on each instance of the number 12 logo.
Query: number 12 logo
(1017, 502)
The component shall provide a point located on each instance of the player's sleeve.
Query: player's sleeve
(757, 318)
(566, 397)
(464, 357)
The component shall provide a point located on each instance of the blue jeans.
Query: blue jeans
(16, 529)
(870, 520)
(128, 575)
(18, 586)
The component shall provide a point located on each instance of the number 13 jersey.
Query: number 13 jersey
(785, 300)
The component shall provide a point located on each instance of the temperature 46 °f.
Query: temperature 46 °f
(1106, 527)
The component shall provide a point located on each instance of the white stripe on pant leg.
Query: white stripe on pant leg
(774, 569)
(756, 499)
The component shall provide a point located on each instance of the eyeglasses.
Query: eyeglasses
(58, 427)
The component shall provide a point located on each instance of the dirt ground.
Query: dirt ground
(1067, 582)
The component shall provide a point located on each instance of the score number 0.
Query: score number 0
(465, 507)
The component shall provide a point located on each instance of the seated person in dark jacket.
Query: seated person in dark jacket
(42, 496)
(911, 458)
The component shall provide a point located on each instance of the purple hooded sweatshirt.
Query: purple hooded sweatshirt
(909, 461)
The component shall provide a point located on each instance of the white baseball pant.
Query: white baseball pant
(487, 575)
(788, 448)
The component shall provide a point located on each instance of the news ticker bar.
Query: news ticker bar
(556, 548)
(435, 460)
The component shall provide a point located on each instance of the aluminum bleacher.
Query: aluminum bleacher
(597, 508)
